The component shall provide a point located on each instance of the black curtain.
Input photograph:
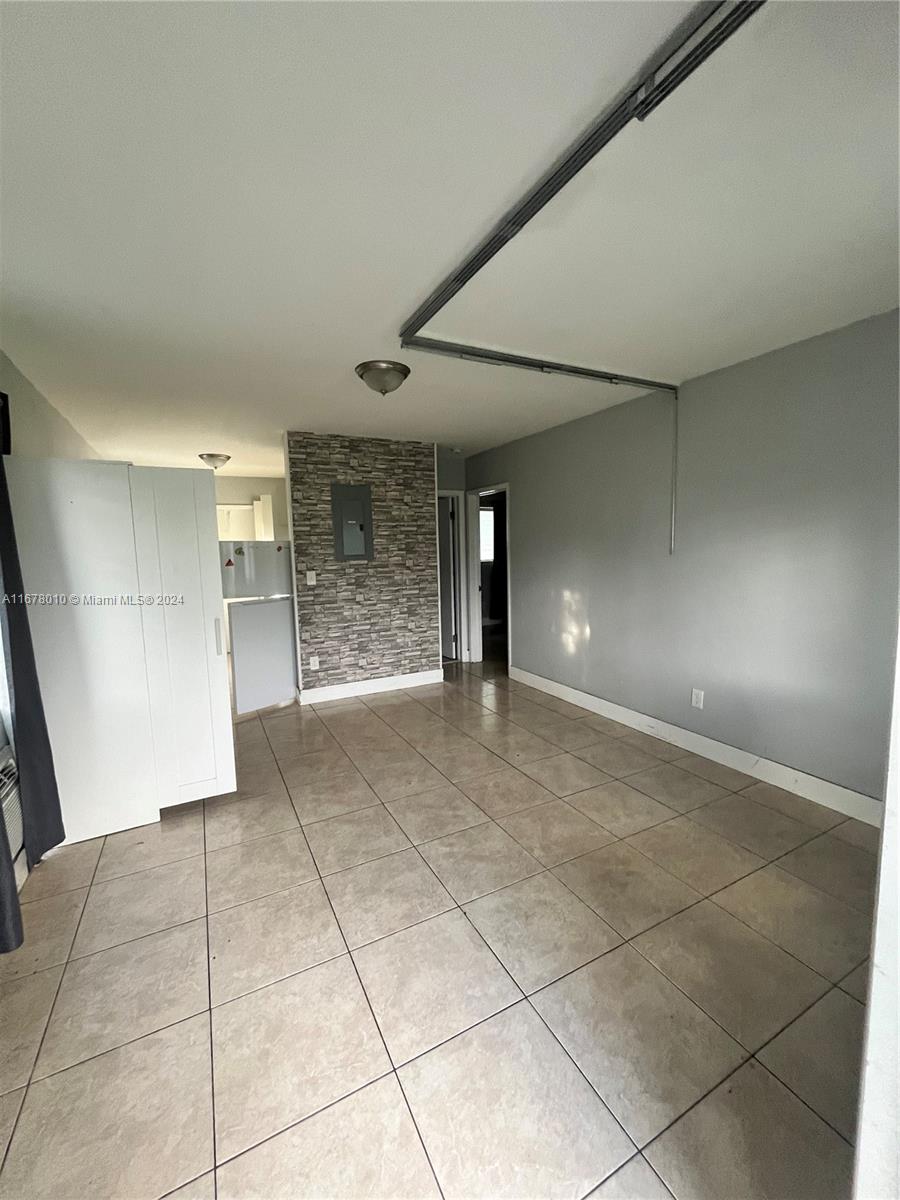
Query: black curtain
(41, 815)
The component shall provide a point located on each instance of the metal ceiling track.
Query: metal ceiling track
(546, 366)
(710, 25)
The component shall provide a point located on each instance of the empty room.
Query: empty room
(449, 723)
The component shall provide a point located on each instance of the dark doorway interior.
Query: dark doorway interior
(448, 568)
(494, 582)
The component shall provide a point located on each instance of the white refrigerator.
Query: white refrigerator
(256, 584)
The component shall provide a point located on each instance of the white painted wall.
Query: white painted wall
(244, 489)
(38, 429)
(878, 1138)
(235, 522)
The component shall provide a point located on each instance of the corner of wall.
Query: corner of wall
(39, 430)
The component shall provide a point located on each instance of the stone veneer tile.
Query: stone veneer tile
(375, 618)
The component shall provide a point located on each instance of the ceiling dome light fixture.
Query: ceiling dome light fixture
(215, 460)
(382, 375)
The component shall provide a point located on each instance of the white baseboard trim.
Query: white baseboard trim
(832, 795)
(368, 687)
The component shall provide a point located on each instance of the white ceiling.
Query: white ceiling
(212, 212)
(755, 207)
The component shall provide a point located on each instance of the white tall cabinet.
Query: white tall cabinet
(178, 556)
(127, 635)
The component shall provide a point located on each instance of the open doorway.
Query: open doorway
(450, 574)
(494, 580)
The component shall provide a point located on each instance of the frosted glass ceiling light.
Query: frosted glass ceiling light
(215, 460)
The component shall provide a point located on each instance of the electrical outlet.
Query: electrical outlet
(310, 579)
(696, 698)
(314, 663)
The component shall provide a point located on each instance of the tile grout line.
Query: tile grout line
(701, 895)
(293, 975)
(751, 1055)
(458, 906)
(212, 1052)
(528, 999)
(187, 1183)
(528, 996)
(628, 941)
(291, 887)
(143, 870)
(545, 870)
(383, 937)
(843, 979)
(130, 941)
(416, 795)
(121, 1046)
(365, 994)
(524, 999)
(755, 1058)
(541, 702)
(814, 835)
(15, 1126)
(639, 1154)
(661, 762)
(295, 1125)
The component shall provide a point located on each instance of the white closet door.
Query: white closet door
(178, 565)
(73, 523)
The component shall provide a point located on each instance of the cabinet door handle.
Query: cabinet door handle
(218, 625)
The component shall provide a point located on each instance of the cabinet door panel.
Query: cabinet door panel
(180, 569)
(75, 535)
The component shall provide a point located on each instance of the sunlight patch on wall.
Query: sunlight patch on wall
(575, 631)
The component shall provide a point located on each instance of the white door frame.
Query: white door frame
(473, 542)
(473, 591)
(298, 658)
(460, 576)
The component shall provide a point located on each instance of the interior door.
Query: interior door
(178, 565)
(447, 577)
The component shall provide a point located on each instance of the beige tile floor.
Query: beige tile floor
(466, 941)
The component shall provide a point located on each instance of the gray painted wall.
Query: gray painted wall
(38, 429)
(451, 470)
(780, 600)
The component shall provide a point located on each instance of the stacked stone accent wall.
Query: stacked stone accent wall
(365, 620)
